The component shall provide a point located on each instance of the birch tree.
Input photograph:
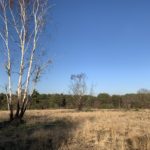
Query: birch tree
(21, 24)
(78, 89)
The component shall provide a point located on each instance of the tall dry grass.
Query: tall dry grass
(71, 130)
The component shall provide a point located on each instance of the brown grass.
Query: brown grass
(71, 130)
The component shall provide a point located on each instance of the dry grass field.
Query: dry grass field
(72, 130)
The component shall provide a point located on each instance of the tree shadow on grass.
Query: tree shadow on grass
(42, 136)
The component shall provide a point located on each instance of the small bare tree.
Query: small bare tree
(21, 25)
(78, 89)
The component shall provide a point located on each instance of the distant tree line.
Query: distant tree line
(103, 100)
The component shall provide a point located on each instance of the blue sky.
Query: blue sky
(109, 40)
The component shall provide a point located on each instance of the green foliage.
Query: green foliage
(3, 104)
(117, 101)
(103, 96)
(103, 100)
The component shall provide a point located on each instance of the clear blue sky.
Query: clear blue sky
(109, 40)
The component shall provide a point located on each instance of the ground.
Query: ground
(71, 130)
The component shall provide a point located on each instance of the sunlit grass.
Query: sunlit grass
(69, 129)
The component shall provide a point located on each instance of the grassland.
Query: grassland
(72, 130)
